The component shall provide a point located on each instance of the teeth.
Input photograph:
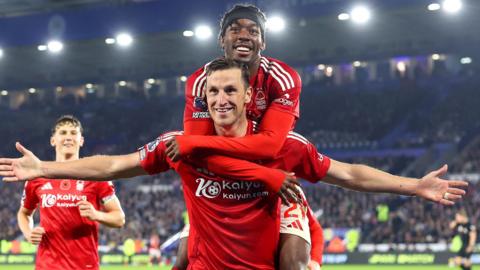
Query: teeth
(243, 49)
(223, 110)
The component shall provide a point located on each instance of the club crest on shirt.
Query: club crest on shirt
(80, 185)
(260, 99)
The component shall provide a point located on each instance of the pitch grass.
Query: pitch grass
(326, 267)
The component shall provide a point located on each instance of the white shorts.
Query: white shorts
(294, 219)
(155, 252)
(185, 231)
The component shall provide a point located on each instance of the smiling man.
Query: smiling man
(69, 209)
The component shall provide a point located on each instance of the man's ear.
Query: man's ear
(82, 140)
(248, 95)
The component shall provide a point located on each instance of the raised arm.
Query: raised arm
(100, 168)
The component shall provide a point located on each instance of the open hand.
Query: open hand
(20, 169)
(431, 187)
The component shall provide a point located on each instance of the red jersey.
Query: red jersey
(70, 241)
(276, 85)
(234, 224)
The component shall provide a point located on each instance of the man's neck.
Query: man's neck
(238, 129)
(67, 157)
(253, 68)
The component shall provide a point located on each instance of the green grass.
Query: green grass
(326, 267)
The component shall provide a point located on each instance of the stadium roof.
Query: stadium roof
(313, 35)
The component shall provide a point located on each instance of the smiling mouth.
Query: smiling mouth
(243, 49)
(223, 110)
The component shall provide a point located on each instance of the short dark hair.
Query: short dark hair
(67, 119)
(223, 64)
(243, 11)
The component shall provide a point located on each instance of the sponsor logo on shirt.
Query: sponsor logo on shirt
(61, 200)
(284, 101)
(230, 190)
(46, 186)
(200, 115)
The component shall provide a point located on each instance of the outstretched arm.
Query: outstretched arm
(364, 178)
(101, 168)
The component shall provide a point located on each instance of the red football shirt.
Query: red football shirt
(70, 241)
(276, 85)
(235, 223)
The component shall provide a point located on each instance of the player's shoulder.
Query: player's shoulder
(297, 139)
(196, 80)
(280, 73)
(273, 64)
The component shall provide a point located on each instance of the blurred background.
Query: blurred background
(389, 83)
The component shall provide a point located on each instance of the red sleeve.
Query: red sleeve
(105, 191)
(284, 86)
(243, 170)
(196, 119)
(266, 144)
(313, 165)
(316, 236)
(152, 155)
(29, 198)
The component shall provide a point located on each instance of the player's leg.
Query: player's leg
(294, 252)
(181, 263)
(294, 246)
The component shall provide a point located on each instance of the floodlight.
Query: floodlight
(452, 6)
(275, 24)
(343, 16)
(434, 6)
(55, 46)
(203, 32)
(188, 33)
(360, 14)
(466, 60)
(124, 39)
(110, 41)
